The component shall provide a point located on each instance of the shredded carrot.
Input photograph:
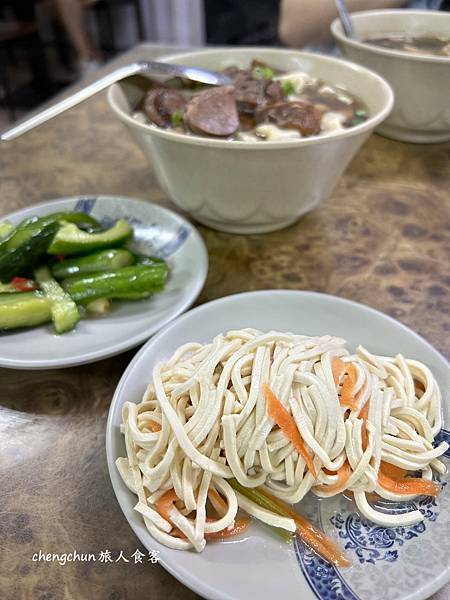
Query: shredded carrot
(177, 533)
(343, 474)
(408, 485)
(165, 502)
(363, 414)
(328, 472)
(286, 423)
(312, 536)
(347, 371)
(347, 396)
(419, 385)
(154, 426)
(338, 369)
(240, 525)
(392, 471)
(218, 502)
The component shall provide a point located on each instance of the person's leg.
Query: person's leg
(72, 15)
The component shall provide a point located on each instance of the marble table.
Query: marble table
(383, 238)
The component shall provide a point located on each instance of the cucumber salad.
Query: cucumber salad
(63, 265)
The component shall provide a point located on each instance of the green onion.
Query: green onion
(257, 497)
(315, 539)
(262, 73)
(177, 118)
(262, 500)
(284, 535)
(288, 88)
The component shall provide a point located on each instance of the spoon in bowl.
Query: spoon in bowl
(345, 19)
(148, 69)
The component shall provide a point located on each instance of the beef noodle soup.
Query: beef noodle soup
(261, 103)
(428, 45)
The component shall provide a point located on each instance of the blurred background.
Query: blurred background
(45, 45)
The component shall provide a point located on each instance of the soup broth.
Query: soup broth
(427, 45)
(261, 103)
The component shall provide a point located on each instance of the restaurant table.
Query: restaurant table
(382, 239)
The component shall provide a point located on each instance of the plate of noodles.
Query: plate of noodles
(287, 443)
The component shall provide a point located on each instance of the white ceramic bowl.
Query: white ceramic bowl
(251, 187)
(421, 84)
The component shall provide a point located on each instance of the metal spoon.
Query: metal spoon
(346, 21)
(149, 69)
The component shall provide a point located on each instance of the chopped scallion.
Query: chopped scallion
(288, 88)
(357, 121)
(177, 118)
(262, 73)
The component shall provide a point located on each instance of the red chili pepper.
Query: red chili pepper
(22, 284)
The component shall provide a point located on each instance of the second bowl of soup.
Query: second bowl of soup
(255, 155)
(411, 50)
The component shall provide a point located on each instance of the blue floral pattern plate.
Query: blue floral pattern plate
(157, 231)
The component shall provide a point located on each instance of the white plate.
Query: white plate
(157, 231)
(395, 564)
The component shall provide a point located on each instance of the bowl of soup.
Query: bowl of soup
(411, 50)
(255, 155)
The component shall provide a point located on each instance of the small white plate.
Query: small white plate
(407, 563)
(157, 231)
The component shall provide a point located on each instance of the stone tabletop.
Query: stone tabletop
(383, 238)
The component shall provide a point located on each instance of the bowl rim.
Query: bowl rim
(339, 35)
(197, 140)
